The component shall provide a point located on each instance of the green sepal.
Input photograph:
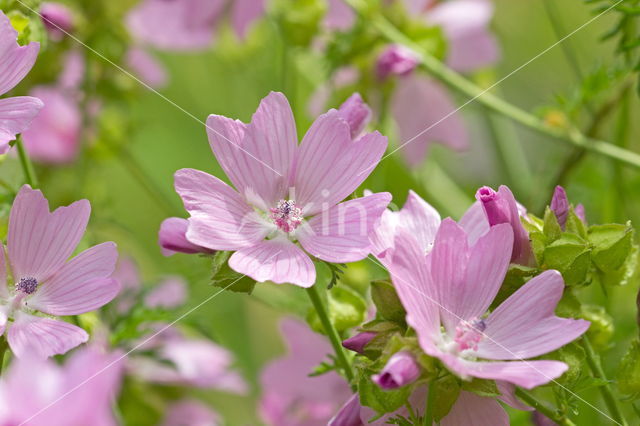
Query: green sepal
(382, 401)
(226, 278)
(482, 387)
(347, 309)
(387, 301)
(571, 256)
(517, 276)
(447, 390)
(612, 245)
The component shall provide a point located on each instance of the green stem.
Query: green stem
(330, 330)
(610, 400)
(27, 167)
(457, 82)
(431, 397)
(550, 412)
(4, 347)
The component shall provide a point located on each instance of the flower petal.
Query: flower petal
(40, 242)
(16, 115)
(4, 291)
(244, 13)
(257, 157)
(277, 260)
(508, 396)
(331, 165)
(425, 114)
(525, 325)
(15, 60)
(43, 337)
(172, 237)
(220, 218)
(341, 233)
(81, 285)
(526, 374)
(475, 410)
(474, 222)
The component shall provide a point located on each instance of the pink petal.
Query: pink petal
(16, 115)
(190, 412)
(339, 15)
(417, 7)
(508, 396)
(4, 292)
(525, 325)
(341, 233)
(81, 285)
(146, 67)
(40, 242)
(278, 260)
(172, 237)
(54, 135)
(330, 165)
(169, 294)
(43, 337)
(474, 222)
(220, 218)
(244, 13)
(474, 410)
(15, 60)
(425, 114)
(257, 157)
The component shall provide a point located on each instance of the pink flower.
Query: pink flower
(292, 398)
(172, 238)
(188, 24)
(339, 15)
(396, 60)
(146, 67)
(190, 412)
(80, 392)
(38, 246)
(286, 194)
(401, 370)
(15, 62)
(57, 19)
(169, 294)
(453, 286)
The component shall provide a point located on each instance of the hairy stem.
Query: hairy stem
(26, 164)
(550, 412)
(593, 360)
(330, 330)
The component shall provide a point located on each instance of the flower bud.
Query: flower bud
(358, 342)
(349, 414)
(397, 60)
(401, 369)
(356, 113)
(57, 19)
(172, 238)
(560, 205)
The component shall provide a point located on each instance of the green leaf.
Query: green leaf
(299, 20)
(601, 328)
(387, 302)
(347, 309)
(447, 391)
(224, 277)
(575, 225)
(570, 255)
(380, 400)
(552, 229)
(629, 371)
(482, 387)
(612, 245)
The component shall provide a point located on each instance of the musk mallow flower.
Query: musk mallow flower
(16, 61)
(287, 197)
(80, 392)
(396, 60)
(447, 294)
(290, 396)
(42, 283)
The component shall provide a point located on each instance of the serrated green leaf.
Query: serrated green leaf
(224, 277)
(387, 302)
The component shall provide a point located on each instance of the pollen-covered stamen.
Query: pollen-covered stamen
(286, 215)
(27, 285)
(469, 334)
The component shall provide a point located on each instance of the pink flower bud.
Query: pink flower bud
(560, 205)
(57, 19)
(358, 342)
(356, 113)
(172, 238)
(401, 370)
(349, 414)
(397, 60)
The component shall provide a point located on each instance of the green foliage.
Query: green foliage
(387, 302)
(226, 278)
(447, 389)
(346, 307)
(629, 371)
(299, 20)
(573, 355)
(482, 387)
(601, 328)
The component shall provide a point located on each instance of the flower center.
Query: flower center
(286, 215)
(27, 285)
(469, 334)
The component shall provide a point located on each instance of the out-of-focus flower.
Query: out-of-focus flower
(339, 16)
(286, 194)
(453, 286)
(356, 113)
(359, 341)
(57, 19)
(539, 419)
(54, 135)
(396, 60)
(38, 246)
(79, 393)
(292, 398)
(169, 294)
(16, 61)
(146, 67)
(401, 370)
(172, 238)
(190, 412)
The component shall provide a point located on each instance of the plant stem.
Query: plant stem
(4, 346)
(551, 413)
(27, 167)
(457, 82)
(431, 397)
(330, 330)
(610, 400)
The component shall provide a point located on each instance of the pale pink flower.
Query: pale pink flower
(169, 294)
(15, 62)
(292, 398)
(339, 15)
(447, 293)
(146, 67)
(43, 281)
(286, 194)
(57, 19)
(39, 392)
(190, 412)
(172, 238)
(396, 60)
